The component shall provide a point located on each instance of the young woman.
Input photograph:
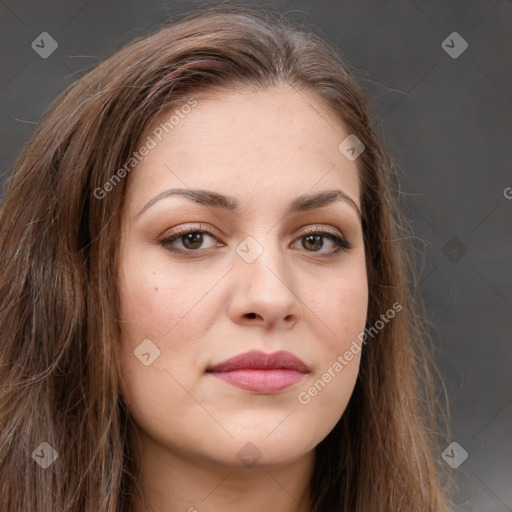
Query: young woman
(207, 303)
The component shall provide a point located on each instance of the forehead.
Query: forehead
(270, 143)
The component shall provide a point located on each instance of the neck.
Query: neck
(171, 482)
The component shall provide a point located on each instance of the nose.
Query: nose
(264, 289)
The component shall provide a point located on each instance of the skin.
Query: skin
(265, 148)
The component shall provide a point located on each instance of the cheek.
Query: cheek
(349, 316)
(156, 302)
(148, 303)
(343, 307)
(169, 307)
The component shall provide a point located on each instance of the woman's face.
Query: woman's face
(266, 276)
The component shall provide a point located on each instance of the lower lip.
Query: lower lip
(261, 381)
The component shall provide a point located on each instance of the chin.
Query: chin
(258, 448)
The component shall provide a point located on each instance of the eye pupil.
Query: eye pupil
(195, 238)
(311, 239)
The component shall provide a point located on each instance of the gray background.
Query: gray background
(447, 123)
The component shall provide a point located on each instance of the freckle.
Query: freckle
(154, 272)
(156, 288)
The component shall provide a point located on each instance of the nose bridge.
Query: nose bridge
(264, 266)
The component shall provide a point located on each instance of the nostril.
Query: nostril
(251, 315)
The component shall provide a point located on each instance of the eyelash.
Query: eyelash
(342, 244)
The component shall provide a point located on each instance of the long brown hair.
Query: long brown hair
(59, 325)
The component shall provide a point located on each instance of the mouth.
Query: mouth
(259, 372)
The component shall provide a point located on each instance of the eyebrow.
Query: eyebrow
(301, 203)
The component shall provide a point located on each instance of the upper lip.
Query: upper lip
(256, 360)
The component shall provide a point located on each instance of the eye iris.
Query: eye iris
(314, 239)
(195, 238)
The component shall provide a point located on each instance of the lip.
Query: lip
(259, 372)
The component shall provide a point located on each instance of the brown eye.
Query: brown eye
(313, 242)
(191, 240)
